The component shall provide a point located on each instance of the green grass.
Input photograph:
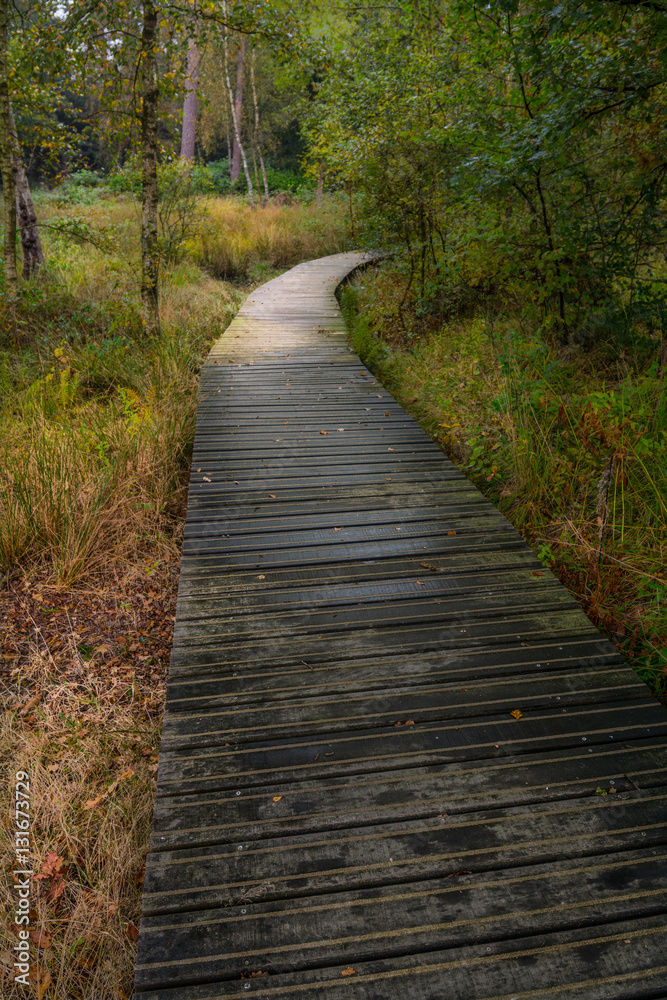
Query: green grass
(571, 447)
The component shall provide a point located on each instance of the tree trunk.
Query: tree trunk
(235, 120)
(189, 128)
(149, 191)
(257, 144)
(33, 254)
(238, 111)
(11, 277)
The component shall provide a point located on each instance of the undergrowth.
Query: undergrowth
(570, 446)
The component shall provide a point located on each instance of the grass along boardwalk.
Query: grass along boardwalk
(398, 761)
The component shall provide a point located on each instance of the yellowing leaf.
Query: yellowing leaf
(517, 713)
(349, 971)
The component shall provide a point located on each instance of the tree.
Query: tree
(509, 151)
(235, 117)
(258, 145)
(237, 111)
(31, 244)
(11, 278)
(189, 127)
(149, 152)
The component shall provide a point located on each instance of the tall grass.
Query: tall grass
(95, 436)
(242, 244)
(95, 422)
(572, 447)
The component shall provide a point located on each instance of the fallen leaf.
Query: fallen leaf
(517, 713)
(390, 449)
(254, 975)
(536, 573)
(277, 798)
(272, 496)
(52, 767)
(206, 479)
(56, 889)
(426, 565)
(388, 478)
(43, 979)
(92, 803)
(420, 584)
(341, 428)
(131, 932)
(262, 577)
(52, 865)
(338, 529)
(451, 532)
(36, 698)
(41, 938)
(349, 971)
(324, 432)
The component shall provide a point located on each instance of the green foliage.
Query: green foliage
(278, 180)
(507, 154)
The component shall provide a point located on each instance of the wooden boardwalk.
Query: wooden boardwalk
(347, 806)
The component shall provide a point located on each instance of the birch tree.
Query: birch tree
(149, 187)
(11, 278)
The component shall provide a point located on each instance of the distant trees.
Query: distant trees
(510, 153)
(132, 64)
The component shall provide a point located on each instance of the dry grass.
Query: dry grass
(242, 244)
(95, 448)
(89, 737)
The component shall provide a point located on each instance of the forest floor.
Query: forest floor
(96, 429)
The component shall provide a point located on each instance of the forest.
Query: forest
(504, 161)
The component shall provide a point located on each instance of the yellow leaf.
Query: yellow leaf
(277, 798)
(349, 971)
(517, 713)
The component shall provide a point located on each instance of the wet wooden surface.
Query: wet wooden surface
(347, 806)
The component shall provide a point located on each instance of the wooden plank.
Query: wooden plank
(360, 800)
(397, 760)
(464, 910)
(621, 960)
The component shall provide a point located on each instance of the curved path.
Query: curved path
(397, 760)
